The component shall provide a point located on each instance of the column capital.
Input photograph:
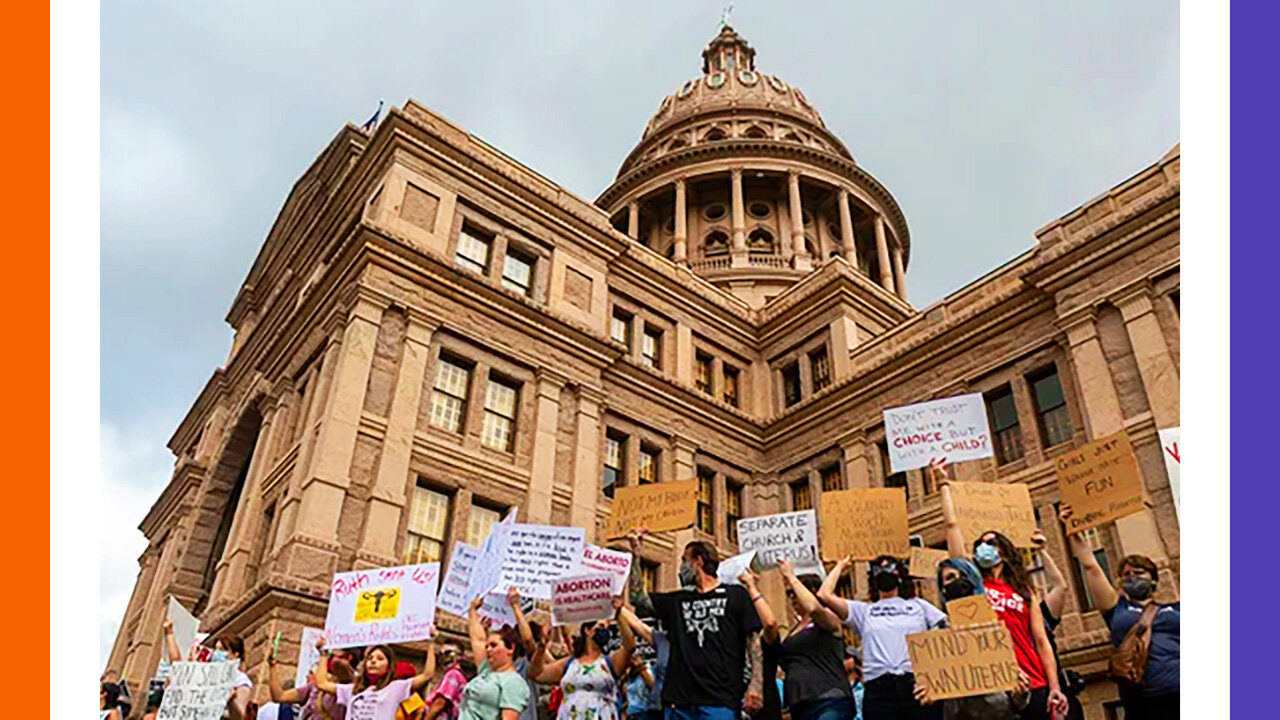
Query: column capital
(550, 380)
(680, 180)
(682, 443)
(592, 395)
(844, 194)
(1080, 327)
(855, 439)
(1133, 302)
(368, 304)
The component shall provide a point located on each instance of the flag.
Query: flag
(372, 122)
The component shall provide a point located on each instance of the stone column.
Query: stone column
(319, 392)
(739, 219)
(684, 354)
(882, 253)
(586, 466)
(846, 229)
(757, 389)
(141, 587)
(229, 579)
(899, 275)
(844, 338)
(682, 224)
(633, 220)
(1151, 350)
(542, 474)
(387, 496)
(683, 450)
(857, 469)
(800, 256)
(144, 653)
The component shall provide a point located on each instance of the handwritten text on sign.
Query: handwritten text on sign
(535, 555)
(453, 591)
(864, 523)
(962, 662)
(382, 605)
(1100, 481)
(954, 428)
(787, 536)
(1169, 439)
(198, 690)
(656, 506)
(923, 562)
(983, 507)
(581, 598)
(308, 655)
(616, 563)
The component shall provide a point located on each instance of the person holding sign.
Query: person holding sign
(375, 694)
(315, 704)
(497, 692)
(816, 685)
(1158, 694)
(227, 647)
(884, 623)
(1015, 603)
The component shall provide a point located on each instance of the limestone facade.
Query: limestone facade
(433, 334)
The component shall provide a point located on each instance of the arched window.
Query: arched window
(676, 144)
(716, 243)
(714, 134)
(791, 137)
(755, 132)
(760, 241)
(808, 247)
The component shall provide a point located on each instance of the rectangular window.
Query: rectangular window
(831, 479)
(649, 576)
(648, 465)
(820, 364)
(844, 586)
(706, 496)
(428, 526)
(473, 249)
(499, 415)
(620, 327)
(449, 401)
(733, 498)
(892, 479)
(651, 348)
(1051, 406)
(791, 384)
(517, 272)
(615, 450)
(702, 372)
(800, 499)
(730, 389)
(482, 521)
(1083, 596)
(1006, 432)
(265, 537)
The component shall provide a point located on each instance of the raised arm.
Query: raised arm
(638, 626)
(1056, 598)
(278, 693)
(827, 593)
(475, 630)
(522, 623)
(324, 683)
(821, 616)
(643, 668)
(1057, 701)
(621, 657)
(768, 620)
(955, 538)
(428, 670)
(1100, 588)
(171, 642)
(544, 669)
(754, 699)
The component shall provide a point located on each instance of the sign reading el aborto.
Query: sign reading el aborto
(961, 662)
(655, 507)
(865, 523)
(1100, 481)
(954, 429)
(1003, 507)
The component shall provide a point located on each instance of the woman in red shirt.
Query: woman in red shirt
(1016, 604)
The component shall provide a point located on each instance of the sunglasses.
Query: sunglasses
(887, 568)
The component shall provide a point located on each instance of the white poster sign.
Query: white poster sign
(582, 598)
(1169, 438)
(789, 536)
(535, 555)
(454, 595)
(185, 626)
(382, 605)
(198, 690)
(730, 568)
(488, 567)
(308, 655)
(954, 429)
(614, 562)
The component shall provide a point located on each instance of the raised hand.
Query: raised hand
(786, 569)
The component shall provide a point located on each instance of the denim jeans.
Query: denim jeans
(840, 708)
(701, 712)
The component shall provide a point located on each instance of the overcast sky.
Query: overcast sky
(985, 120)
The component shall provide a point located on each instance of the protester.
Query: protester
(715, 635)
(1157, 697)
(884, 623)
(770, 650)
(276, 710)
(154, 698)
(123, 702)
(816, 686)
(1016, 604)
(531, 635)
(312, 703)
(853, 671)
(497, 692)
(228, 647)
(445, 699)
(108, 698)
(653, 635)
(639, 684)
(374, 694)
(1051, 607)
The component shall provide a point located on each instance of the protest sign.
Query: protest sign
(1004, 507)
(308, 655)
(582, 598)
(923, 562)
(487, 569)
(454, 597)
(535, 555)
(864, 523)
(730, 569)
(198, 690)
(1169, 438)
(185, 625)
(382, 605)
(962, 662)
(1100, 481)
(656, 507)
(497, 609)
(614, 562)
(954, 428)
(972, 610)
(787, 536)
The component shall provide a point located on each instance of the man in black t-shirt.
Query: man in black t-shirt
(714, 634)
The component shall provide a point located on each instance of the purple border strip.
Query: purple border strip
(1255, 258)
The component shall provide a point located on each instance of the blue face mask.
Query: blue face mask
(219, 655)
(987, 556)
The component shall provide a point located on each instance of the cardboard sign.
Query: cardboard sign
(1169, 438)
(1100, 481)
(656, 506)
(198, 690)
(923, 562)
(185, 625)
(953, 428)
(864, 523)
(614, 562)
(382, 605)
(582, 598)
(972, 610)
(787, 536)
(308, 655)
(533, 556)
(730, 569)
(1003, 507)
(961, 662)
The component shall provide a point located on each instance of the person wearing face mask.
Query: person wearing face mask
(313, 704)
(1157, 697)
(445, 700)
(884, 623)
(1051, 607)
(227, 647)
(816, 685)
(497, 692)
(1016, 604)
(376, 693)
